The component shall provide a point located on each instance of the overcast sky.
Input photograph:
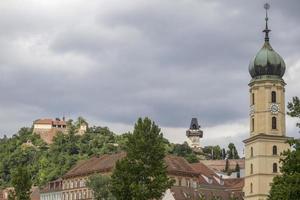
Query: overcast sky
(112, 61)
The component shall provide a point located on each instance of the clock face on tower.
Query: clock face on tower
(274, 108)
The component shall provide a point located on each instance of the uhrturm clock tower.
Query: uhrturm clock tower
(267, 120)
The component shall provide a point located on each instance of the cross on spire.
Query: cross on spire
(267, 30)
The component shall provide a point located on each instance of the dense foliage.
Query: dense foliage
(48, 162)
(142, 174)
(287, 185)
(184, 150)
(21, 181)
(214, 152)
(100, 184)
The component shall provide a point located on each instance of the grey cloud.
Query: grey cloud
(167, 60)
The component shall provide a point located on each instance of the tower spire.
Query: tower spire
(267, 30)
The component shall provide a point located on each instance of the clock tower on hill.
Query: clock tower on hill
(194, 134)
(267, 120)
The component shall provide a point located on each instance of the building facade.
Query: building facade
(191, 181)
(52, 191)
(267, 120)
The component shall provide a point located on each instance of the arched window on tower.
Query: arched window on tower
(274, 123)
(253, 99)
(252, 124)
(251, 151)
(275, 168)
(251, 169)
(273, 97)
(251, 187)
(194, 126)
(274, 150)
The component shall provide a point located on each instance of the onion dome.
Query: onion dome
(267, 61)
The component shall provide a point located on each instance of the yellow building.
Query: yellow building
(267, 120)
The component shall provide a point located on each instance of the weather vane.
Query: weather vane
(267, 30)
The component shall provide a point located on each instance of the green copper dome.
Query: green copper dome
(267, 62)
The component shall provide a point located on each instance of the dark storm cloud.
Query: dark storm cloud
(117, 61)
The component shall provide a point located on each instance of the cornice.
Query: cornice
(263, 136)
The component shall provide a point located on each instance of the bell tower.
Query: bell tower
(267, 120)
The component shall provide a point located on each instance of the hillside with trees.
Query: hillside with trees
(48, 162)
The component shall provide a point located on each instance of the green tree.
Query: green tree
(294, 109)
(184, 150)
(227, 166)
(213, 152)
(21, 181)
(238, 170)
(232, 152)
(287, 185)
(101, 186)
(142, 174)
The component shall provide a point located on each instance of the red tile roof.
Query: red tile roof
(178, 165)
(203, 169)
(50, 122)
(105, 163)
(234, 183)
(183, 193)
(219, 165)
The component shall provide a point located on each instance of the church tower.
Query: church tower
(267, 120)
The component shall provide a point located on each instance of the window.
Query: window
(251, 151)
(188, 183)
(251, 169)
(253, 99)
(274, 123)
(273, 97)
(275, 168)
(252, 124)
(251, 187)
(274, 150)
(179, 182)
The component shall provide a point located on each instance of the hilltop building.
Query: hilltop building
(48, 128)
(194, 134)
(267, 120)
